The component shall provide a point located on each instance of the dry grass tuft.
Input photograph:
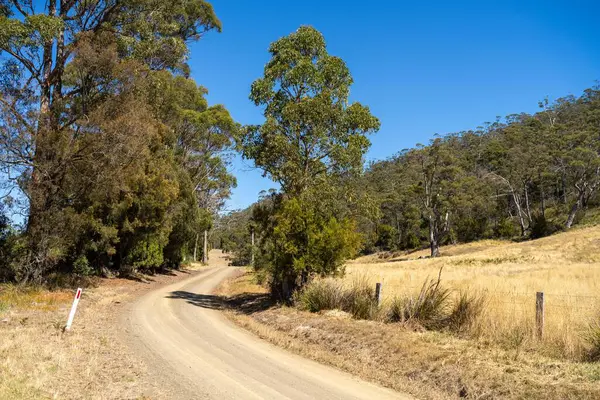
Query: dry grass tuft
(356, 298)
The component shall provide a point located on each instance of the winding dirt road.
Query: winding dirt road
(190, 346)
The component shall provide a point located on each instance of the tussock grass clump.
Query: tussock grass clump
(321, 294)
(592, 338)
(466, 312)
(430, 308)
(433, 308)
(358, 298)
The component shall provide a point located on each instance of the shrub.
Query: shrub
(506, 229)
(81, 266)
(301, 241)
(387, 237)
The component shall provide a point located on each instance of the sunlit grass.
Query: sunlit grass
(566, 267)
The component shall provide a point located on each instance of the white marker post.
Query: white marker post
(73, 309)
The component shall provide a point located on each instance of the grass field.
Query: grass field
(566, 267)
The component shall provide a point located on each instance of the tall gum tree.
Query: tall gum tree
(311, 137)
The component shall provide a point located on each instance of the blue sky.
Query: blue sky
(422, 67)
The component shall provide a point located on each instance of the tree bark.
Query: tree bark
(196, 248)
(433, 239)
(205, 249)
(576, 207)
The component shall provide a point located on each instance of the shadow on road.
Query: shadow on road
(247, 303)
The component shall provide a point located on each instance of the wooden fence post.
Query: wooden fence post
(378, 293)
(539, 314)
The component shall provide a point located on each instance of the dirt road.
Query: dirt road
(197, 353)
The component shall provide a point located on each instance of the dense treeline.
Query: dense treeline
(109, 150)
(526, 176)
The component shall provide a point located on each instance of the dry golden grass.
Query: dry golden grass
(92, 361)
(426, 364)
(566, 267)
(39, 361)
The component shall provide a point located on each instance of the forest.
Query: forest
(112, 159)
(521, 177)
(113, 162)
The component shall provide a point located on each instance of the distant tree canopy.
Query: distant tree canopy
(117, 156)
(526, 176)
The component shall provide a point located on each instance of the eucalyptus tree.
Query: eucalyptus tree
(311, 134)
(63, 60)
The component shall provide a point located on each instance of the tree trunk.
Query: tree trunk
(574, 210)
(564, 188)
(205, 248)
(433, 239)
(196, 248)
(527, 208)
(543, 197)
(252, 250)
(519, 212)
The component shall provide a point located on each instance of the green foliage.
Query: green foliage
(120, 156)
(506, 229)
(299, 242)
(312, 143)
(387, 237)
(81, 266)
(526, 175)
(541, 227)
(310, 129)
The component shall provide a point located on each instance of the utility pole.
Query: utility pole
(205, 250)
(196, 249)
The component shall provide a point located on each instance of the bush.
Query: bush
(541, 227)
(81, 266)
(506, 229)
(387, 237)
(300, 241)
